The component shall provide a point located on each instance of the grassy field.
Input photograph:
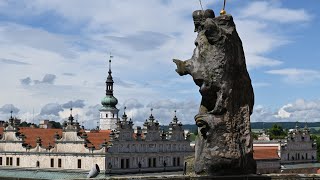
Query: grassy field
(256, 130)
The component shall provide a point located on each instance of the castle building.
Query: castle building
(295, 154)
(298, 147)
(116, 147)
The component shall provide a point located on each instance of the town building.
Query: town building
(116, 146)
(295, 154)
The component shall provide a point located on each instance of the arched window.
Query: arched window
(38, 164)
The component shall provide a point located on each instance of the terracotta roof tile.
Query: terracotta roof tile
(46, 135)
(96, 138)
(265, 152)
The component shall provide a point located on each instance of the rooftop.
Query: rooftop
(265, 152)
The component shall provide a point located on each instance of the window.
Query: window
(306, 155)
(106, 115)
(18, 161)
(174, 161)
(59, 163)
(178, 161)
(127, 163)
(0, 161)
(38, 164)
(154, 162)
(122, 163)
(7, 161)
(79, 163)
(11, 161)
(52, 162)
(149, 162)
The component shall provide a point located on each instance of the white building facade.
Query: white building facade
(298, 147)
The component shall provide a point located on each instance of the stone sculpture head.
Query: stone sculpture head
(199, 18)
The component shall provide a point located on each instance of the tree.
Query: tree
(277, 132)
(195, 132)
(55, 125)
(254, 135)
(317, 139)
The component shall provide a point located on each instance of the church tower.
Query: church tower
(109, 111)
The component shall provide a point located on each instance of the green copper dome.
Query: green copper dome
(109, 101)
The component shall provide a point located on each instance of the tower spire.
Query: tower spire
(110, 64)
(108, 111)
(71, 117)
(11, 114)
(109, 82)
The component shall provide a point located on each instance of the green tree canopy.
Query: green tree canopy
(277, 132)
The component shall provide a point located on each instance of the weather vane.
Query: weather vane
(223, 11)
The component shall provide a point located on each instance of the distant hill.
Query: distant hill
(259, 125)
(285, 125)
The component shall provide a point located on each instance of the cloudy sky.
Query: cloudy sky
(55, 52)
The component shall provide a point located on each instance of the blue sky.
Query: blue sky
(54, 52)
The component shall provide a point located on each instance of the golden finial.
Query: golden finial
(223, 11)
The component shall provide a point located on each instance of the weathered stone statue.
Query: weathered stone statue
(218, 67)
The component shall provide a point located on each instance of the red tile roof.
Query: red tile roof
(46, 135)
(96, 138)
(265, 152)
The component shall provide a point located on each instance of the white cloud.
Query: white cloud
(260, 35)
(258, 41)
(294, 75)
(301, 110)
(271, 11)
(77, 40)
(282, 113)
(262, 114)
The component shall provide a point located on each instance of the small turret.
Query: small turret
(176, 131)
